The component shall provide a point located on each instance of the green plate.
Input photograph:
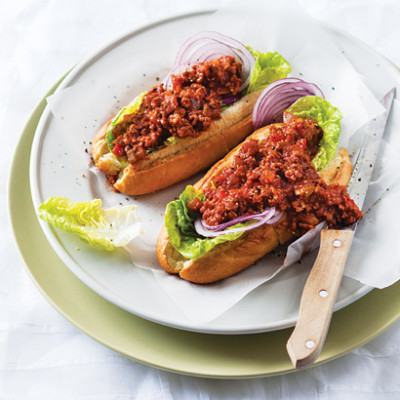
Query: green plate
(221, 356)
(206, 355)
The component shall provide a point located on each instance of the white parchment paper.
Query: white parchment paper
(314, 57)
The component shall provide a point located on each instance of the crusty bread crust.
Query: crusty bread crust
(231, 257)
(179, 161)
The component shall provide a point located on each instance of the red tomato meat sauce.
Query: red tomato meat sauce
(185, 110)
(277, 172)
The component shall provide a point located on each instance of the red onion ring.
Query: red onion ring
(269, 216)
(275, 218)
(229, 99)
(278, 96)
(266, 214)
(209, 51)
(209, 45)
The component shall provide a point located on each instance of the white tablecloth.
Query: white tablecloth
(42, 356)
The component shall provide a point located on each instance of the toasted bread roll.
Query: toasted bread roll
(179, 161)
(231, 257)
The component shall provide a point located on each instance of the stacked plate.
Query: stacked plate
(116, 303)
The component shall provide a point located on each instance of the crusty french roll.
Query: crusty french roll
(179, 161)
(231, 257)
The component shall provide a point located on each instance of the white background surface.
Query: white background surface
(42, 356)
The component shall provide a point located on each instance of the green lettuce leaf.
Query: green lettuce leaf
(131, 108)
(107, 229)
(328, 118)
(268, 68)
(179, 222)
(171, 140)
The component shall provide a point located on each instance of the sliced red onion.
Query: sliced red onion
(207, 35)
(278, 96)
(230, 99)
(266, 214)
(269, 216)
(275, 218)
(206, 233)
(210, 45)
(209, 50)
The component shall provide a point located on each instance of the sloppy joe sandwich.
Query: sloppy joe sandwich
(183, 125)
(265, 192)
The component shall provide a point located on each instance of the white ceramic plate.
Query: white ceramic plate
(59, 159)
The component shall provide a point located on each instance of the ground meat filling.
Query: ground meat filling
(186, 110)
(277, 172)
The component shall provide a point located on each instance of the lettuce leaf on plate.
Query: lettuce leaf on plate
(328, 118)
(268, 68)
(107, 229)
(179, 222)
